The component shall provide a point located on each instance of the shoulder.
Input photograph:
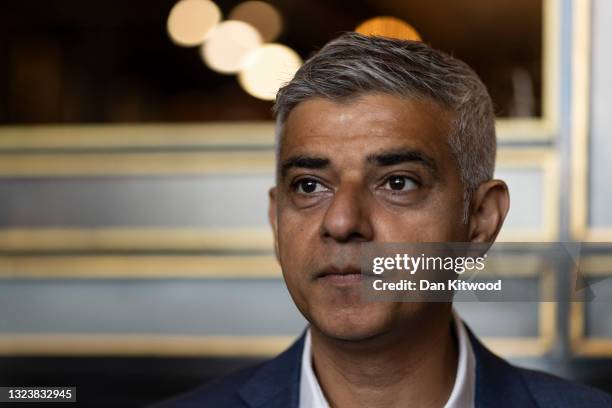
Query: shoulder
(222, 392)
(271, 383)
(502, 384)
(551, 391)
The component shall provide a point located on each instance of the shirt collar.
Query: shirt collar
(462, 395)
(311, 395)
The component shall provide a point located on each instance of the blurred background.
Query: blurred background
(136, 151)
(72, 62)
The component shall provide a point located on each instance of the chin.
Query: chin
(354, 323)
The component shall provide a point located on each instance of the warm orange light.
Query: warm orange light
(226, 49)
(388, 27)
(191, 21)
(261, 15)
(267, 69)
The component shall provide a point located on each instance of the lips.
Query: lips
(335, 271)
(346, 276)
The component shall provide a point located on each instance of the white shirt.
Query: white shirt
(462, 395)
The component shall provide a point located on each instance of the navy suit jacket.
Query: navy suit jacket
(276, 383)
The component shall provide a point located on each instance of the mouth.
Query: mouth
(340, 276)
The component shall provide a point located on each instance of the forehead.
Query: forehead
(365, 124)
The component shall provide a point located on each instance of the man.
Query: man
(382, 140)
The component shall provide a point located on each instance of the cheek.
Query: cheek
(437, 220)
(298, 257)
(297, 243)
(290, 229)
(444, 220)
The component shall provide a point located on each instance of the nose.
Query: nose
(348, 217)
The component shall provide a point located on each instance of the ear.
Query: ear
(488, 208)
(272, 207)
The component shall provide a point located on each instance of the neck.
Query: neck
(413, 364)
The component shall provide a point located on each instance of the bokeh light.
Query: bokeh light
(388, 27)
(226, 48)
(261, 15)
(267, 69)
(190, 22)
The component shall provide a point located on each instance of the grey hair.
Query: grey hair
(354, 64)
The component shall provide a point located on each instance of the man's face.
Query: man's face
(377, 168)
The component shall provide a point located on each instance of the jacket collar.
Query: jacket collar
(276, 383)
(498, 384)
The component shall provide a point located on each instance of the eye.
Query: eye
(308, 186)
(400, 183)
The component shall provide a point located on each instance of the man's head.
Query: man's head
(379, 140)
(354, 64)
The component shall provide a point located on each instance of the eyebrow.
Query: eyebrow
(388, 158)
(393, 157)
(305, 162)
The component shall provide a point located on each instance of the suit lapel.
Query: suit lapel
(276, 384)
(498, 384)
